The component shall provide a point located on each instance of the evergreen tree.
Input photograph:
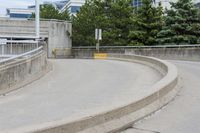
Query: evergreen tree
(64, 15)
(118, 13)
(182, 24)
(113, 17)
(146, 24)
(50, 12)
(91, 16)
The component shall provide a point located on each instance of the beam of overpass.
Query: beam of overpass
(74, 89)
(53, 31)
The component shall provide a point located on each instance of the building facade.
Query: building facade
(19, 13)
(58, 4)
(73, 6)
(164, 3)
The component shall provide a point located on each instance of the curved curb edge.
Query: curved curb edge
(120, 118)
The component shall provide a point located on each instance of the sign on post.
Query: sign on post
(98, 37)
(98, 34)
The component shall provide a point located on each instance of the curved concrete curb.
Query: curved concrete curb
(119, 118)
(21, 72)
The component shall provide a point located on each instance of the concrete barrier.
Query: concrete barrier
(17, 73)
(190, 53)
(122, 117)
(179, 53)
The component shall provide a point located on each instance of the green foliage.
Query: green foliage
(118, 13)
(50, 12)
(182, 24)
(124, 25)
(113, 17)
(91, 16)
(146, 24)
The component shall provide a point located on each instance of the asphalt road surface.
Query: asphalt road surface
(73, 90)
(183, 114)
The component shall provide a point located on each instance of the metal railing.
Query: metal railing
(15, 47)
(11, 50)
(11, 37)
(20, 56)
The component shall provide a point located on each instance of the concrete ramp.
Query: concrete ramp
(75, 89)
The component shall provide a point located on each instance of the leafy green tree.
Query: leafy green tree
(146, 24)
(182, 24)
(50, 12)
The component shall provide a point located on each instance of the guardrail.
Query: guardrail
(18, 37)
(21, 62)
(27, 54)
(16, 47)
(10, 47)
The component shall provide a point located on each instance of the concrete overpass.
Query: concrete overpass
(56, 33)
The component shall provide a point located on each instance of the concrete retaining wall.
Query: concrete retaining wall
(185, 53)
(192, 54)
(122, 117)
(20, 72)
(57, 33)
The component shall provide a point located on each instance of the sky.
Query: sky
(16, 4)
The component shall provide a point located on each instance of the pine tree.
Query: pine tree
(182, 24)
(118, 13)
(147, 23)
(64, 15)
(91, 16)
(113, 17)
(50, 12)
